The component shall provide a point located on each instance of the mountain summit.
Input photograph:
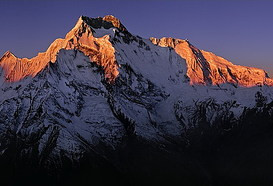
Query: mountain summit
(133, 109)
(81, 37)
(202, 67)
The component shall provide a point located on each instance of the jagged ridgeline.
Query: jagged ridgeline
(106, 106)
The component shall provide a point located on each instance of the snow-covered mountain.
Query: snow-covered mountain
(102, 85)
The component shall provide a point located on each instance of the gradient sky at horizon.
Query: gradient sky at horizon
(238, 30)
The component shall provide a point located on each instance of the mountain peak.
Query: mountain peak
(8, 54)
(108, 21)
(115, 21)
(82, 38)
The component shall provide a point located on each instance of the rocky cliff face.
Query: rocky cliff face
(101, 89)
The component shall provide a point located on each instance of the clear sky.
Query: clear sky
(238, 30)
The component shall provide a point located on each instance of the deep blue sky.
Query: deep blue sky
(240, 31)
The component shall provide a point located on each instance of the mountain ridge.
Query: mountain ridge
(203, 67)
(207, 68)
